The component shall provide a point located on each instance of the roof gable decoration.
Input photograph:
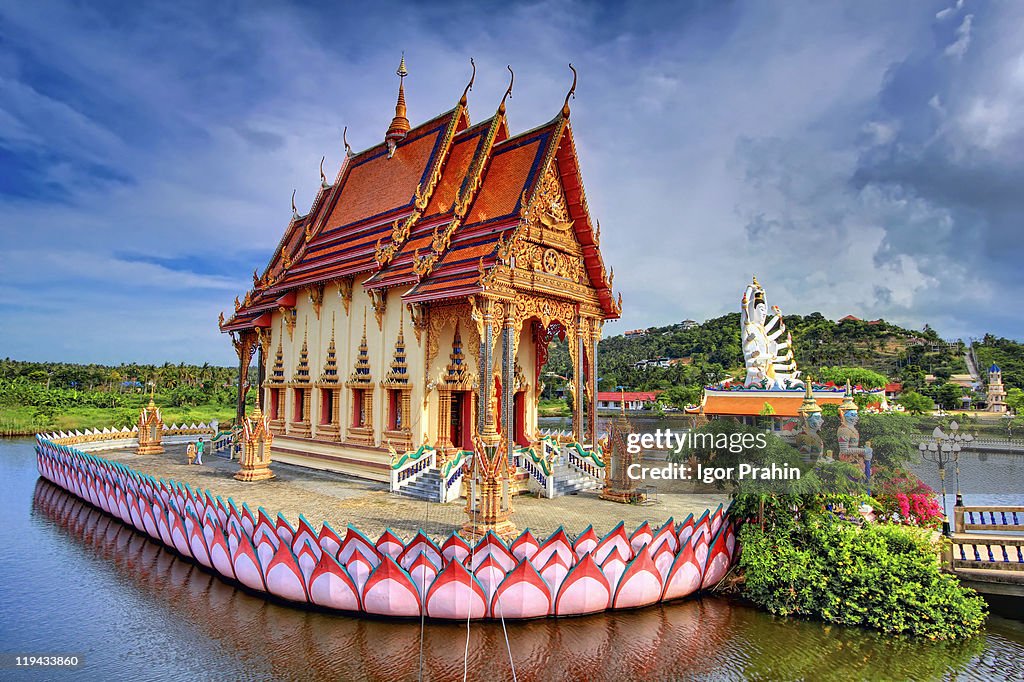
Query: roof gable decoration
(400, 229)
(424, 264)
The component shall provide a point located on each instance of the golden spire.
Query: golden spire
(508, 92)
(571, 93)
(399, 124)
(809, 404)
(469, 85)
(848, 403)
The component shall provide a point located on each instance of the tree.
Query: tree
(857, 376)
(915, 403)
(1015, 400)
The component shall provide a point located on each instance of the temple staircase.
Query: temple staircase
(424, 486)
(568, 480)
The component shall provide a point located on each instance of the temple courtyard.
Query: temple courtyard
(369, 506)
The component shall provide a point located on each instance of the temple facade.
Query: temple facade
(415, 300)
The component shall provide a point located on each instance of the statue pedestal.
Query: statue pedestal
(257, 472)
(255, 455)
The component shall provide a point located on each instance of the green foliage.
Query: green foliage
(1009, 355)
(857, 376)
(915, 403)
(879, 576)
(1015, 400)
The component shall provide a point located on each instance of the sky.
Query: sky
(861, 158)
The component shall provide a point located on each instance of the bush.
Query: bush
(880, 576)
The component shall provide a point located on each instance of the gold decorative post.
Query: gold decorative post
(151, 430)
(488, 502)
(256, 440)
(618, 486)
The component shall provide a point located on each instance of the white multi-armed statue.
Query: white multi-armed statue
(767, 346)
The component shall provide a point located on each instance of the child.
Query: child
(191, 452)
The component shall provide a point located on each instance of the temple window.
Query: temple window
(358, 418)
(326, 406)
(274, 399)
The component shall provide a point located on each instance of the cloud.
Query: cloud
(958, 48)
(862, 163)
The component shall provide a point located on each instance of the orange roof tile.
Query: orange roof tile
(749, 404)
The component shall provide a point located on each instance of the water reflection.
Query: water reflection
(703, 638)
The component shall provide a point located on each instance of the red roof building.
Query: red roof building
(438, 237)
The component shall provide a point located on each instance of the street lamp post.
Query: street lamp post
(943, 449)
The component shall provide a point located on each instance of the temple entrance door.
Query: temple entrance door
(518, 430)
(459, 420)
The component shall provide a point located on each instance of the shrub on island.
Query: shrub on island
(881, 576)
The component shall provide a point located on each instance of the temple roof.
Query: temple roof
(447, 195)
(752, 403)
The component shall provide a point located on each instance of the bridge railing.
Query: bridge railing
(988, 552)
(1009, 519)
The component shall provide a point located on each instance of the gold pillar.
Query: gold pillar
(256, 442)
(151, 430)
(488, 503)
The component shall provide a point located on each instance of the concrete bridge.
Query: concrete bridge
(987, 550)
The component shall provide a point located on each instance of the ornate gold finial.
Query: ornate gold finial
(809, 404)
(469, 85)
(399, 127)
(344, 139)
(295, 211)
(848, 403)
(571, 93)
(756, 283)
(323, 178)
(508, 92)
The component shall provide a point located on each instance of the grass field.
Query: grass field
(17, 421)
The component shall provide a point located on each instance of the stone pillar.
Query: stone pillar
(508, 363)
(486, 372)
(594, 339)
(444, 413)
(577, 407)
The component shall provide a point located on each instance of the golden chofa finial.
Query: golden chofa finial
(399, 124)
(469, 85)
(571, 93)
(323, 178)
(344, 139)
(295, 211)
(508, 92)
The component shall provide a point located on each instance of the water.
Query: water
(75, 581)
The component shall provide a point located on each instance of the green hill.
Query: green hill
(711, 351)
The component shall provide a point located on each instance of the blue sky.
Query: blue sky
(861, 158)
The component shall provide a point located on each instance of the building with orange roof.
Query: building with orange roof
(411, 307)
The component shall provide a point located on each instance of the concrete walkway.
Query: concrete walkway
(370, 506)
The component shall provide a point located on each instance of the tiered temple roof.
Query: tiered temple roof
(428, 217)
